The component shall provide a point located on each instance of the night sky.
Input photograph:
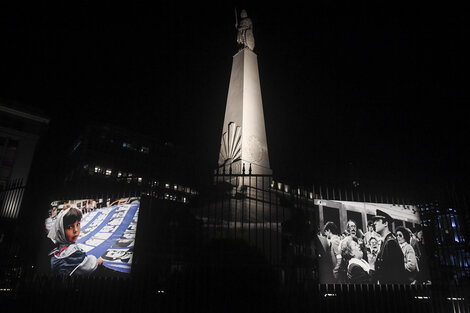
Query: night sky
(360, 91)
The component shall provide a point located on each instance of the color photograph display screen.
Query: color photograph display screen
(369, 243)
(91, 236)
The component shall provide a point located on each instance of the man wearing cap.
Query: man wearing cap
(389, 266)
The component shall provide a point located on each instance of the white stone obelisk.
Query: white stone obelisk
(243, 172)
(243, 140)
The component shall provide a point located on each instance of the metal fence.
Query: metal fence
(11, 198)
(242, 245)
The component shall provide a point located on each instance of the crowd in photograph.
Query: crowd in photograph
(376, 256)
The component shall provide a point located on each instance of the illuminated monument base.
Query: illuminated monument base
(253, 215)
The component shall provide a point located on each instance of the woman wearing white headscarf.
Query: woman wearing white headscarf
(359, 271)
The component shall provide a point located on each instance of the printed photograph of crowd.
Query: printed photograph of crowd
(91, 234)
(379, 254)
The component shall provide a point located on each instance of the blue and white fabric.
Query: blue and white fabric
(109, 233)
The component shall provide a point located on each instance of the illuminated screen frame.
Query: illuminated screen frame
(106, 237)
(340, 262)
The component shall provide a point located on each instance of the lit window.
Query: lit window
(167, 186)
(286, 188)
(175, 187)
(108, 172)
(422, 297)
(139, 179)
(144, 149)
(97, 169)
(455, 299)
(119, 174)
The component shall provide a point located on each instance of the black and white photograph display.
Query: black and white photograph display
(369, 243)
(92, 233)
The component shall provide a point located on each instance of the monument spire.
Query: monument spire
(243, 132)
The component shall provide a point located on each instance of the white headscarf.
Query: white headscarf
(361, 262)
(57, 233)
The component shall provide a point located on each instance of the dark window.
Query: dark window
(397, 223)
(331, 215)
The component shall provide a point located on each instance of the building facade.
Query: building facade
(20, 130)
(111, 159)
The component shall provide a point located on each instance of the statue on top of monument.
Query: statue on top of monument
(245, 36)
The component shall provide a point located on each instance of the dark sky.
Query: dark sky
(364, 91)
